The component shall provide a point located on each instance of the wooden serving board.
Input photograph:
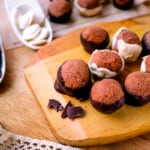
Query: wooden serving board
(94, 128)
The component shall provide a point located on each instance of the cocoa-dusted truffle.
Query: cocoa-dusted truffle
(105, 63)
(146, 43)
(94, 37)
(73, 78)
(127, 43)
(88, 7)
(60, 10)
(145, 65)
(123, 4)
(107, 95)
(137, 88)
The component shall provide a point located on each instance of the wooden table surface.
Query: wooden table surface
(21, 114)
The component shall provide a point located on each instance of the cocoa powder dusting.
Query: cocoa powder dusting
(129, 37)
(94, 34)
(107, 91)
(138, 83)
(107, 59)
(75, 73)
(59, 7)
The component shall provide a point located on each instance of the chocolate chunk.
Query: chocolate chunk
(64, 113)
(55, 104)
(74, 112)
(69, 111)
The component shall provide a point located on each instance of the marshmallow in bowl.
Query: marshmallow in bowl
(31, 32)
(41, 38)
(31, 26)
(30, 17)
(25, 20)
(127, 44)
(44, 33)
(88, 11)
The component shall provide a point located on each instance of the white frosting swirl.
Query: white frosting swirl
(130, 52)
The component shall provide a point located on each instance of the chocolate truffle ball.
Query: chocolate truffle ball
(73, 78)
(107, 96)
(93, 37)
(88, 7)
(105, 63)
(137, 88)
(146, 43)
(127, 44)
(123, 4)
(60, 10)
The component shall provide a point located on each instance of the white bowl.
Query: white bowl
(23, 8)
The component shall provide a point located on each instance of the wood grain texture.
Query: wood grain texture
(95, 128)
(18, 109)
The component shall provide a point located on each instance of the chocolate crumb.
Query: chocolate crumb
(74, 112)
(53, 103)
(64, 113)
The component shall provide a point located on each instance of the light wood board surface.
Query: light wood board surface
(95, 128)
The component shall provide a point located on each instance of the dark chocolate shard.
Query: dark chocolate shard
(69, 111)
(74, 112)
(64, 113)
(53, 103)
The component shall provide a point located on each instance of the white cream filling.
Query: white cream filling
(88, 12)
(130, 52)
(103, 72)
(143, 65)
(114, 38)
